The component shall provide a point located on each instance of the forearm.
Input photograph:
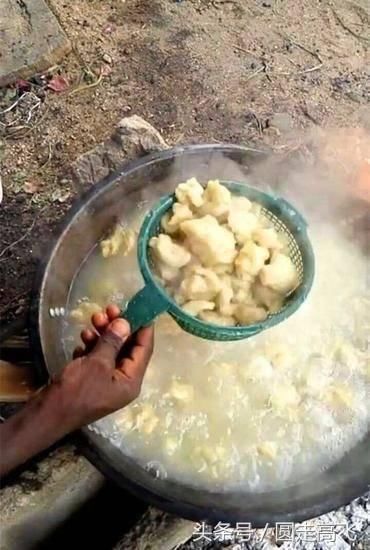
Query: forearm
(35, 428)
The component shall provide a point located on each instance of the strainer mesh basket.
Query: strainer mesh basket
(154, 299)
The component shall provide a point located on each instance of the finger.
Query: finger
(88, 336)
(113, 311)
(135, 363)
(78, 352)
(111, 341)
(100, 321)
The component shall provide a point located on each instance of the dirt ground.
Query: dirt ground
(239, 71)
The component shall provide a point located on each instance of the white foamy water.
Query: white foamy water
(258, 413)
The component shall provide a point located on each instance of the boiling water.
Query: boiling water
(258, 413)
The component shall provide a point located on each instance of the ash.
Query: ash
(344, 529)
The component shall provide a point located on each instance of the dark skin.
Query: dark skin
(104, 376)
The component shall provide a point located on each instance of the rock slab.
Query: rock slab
(31, 39)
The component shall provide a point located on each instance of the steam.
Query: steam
(318, 175)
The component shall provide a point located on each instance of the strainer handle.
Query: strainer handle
(291, 212)
(144, 307)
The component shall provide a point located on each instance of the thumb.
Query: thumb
(111, 341)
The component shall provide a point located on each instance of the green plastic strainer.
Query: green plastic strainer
(153, 299)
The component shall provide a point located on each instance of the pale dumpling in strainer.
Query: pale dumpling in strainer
(220, 258)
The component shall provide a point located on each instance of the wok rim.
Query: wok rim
(94, 446)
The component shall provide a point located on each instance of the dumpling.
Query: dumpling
(168, 252)
(209, 241)
(250, 260)
(347, 354)
(200, 284)
(181, 392)
(223, 269)
(194, 307)
(216, 319)
(166, 272)
(315, 380)
(190, 193)
(171, 444)
(224, 298)
(241, 221)
(258, 368)
(120, 241)
(84, 311)
(284, 396)
(267, 297)
(268, 449)
(146, 419)
(281, 355)
(280, 274)
(216, 200)
(171, 221)
(268, 238)
(242, 290)
(249, 314)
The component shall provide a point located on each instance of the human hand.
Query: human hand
(106, 374)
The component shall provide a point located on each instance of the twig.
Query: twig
(312, 69)
(255, 73)
(244, 50)
(49, 157)
(348, 29)
(301, 46)
(11, 245)
(304, 71)
(87, 86)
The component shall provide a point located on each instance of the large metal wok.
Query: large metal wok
(85, 224)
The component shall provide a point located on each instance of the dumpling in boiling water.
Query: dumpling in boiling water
(120, 241)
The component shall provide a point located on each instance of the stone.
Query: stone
(31, 39)
(16, 382)
(143, 135)
(41, 500)
(132, 138)
(282, 121)
(157, 530)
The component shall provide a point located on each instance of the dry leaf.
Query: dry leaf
(23, 85)
(58, 84)
(60, 196)
(31, 187)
